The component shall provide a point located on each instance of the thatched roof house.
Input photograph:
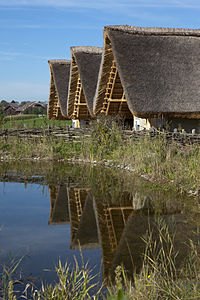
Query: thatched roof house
(159, 70)
(85, 63)
(60, 71)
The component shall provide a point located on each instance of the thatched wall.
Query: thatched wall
(57, 106)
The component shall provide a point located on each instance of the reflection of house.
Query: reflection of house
(85, 64)
(111, 220)
(57, 106)
(159, 72)
(59, 213)
(84, 233)
(123, 224)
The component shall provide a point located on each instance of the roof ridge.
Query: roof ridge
(87, 49)
(153, 30)
(51, 61)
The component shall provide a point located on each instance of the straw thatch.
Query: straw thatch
(60, 71)
(159, 70)
(83, 81)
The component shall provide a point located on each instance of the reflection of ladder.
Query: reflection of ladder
(78, 203)
(125, 211)
(110, 227)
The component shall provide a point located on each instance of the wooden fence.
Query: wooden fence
(77, 135)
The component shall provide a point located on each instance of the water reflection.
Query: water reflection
(104, 212)
(117, 223)
(59, 213)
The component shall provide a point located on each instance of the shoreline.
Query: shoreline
(156, 159)
(102, 163)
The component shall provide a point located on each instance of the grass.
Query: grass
(161, 276)
(31, 121)
(171, 165)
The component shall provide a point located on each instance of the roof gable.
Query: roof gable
(61, 73)
(83, 80)
(88, 66)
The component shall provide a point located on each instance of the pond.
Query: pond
(49, 211)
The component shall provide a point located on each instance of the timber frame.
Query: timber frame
(80, 107)
(115, 102)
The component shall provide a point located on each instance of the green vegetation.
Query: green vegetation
(160, 278)
(169, 164)
(29, 122)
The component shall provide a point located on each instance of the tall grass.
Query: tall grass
(162, 277)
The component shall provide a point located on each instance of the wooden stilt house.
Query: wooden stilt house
(85, 63)
(159, 70)
(60, 72)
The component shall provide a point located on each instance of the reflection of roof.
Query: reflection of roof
(83, 80)
(87, 234)
(130, 249)
(60, 70)
(59, 205)
(111, 220)
(158, 69)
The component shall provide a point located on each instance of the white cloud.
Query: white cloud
(101, 4)
(23, 91)
(8, 55)
(4, 25)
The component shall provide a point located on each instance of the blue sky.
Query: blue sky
(33, 31)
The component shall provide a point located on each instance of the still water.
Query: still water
(49, 211)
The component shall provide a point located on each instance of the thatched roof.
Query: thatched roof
(60, 72)
(84, 67)
(159, 69)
